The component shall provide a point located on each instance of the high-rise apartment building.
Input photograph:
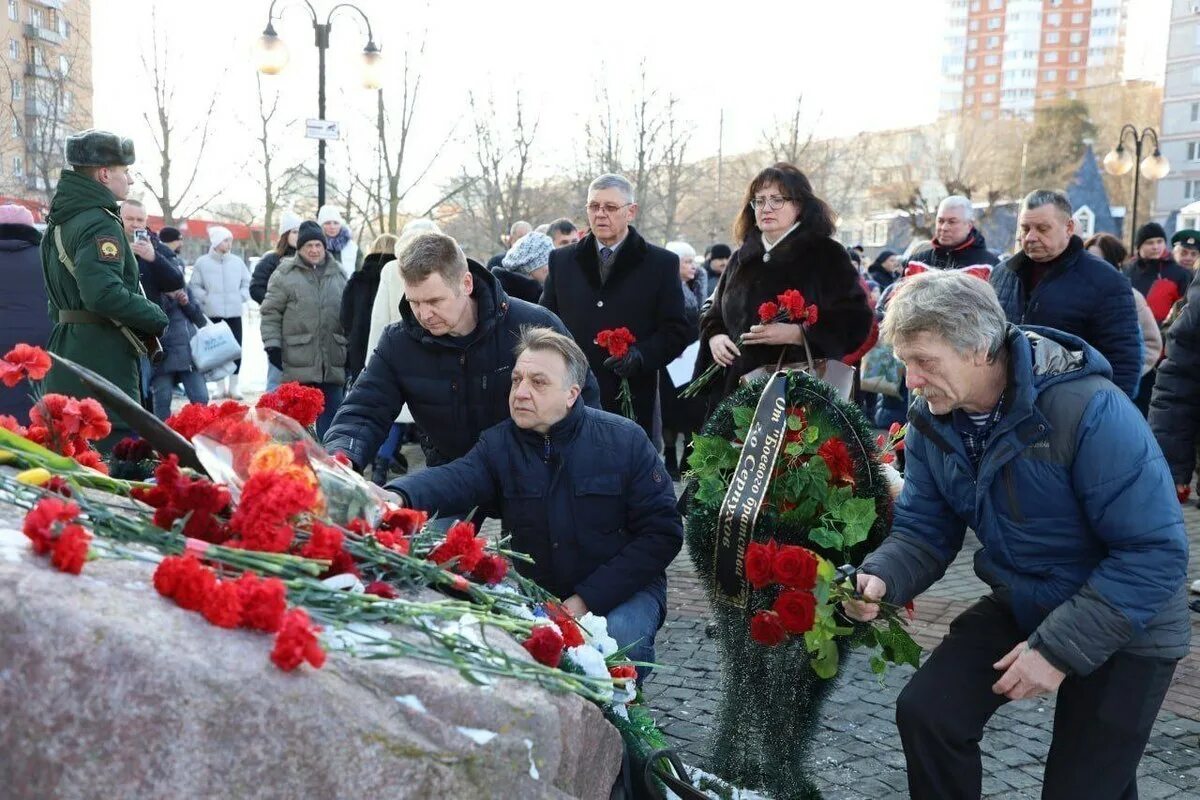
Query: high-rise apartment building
(1179, 133)
(45, 90)
(1006, 57)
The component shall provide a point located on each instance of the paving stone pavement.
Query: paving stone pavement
(858, 755)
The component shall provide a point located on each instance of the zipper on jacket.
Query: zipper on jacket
(546, 449)
(1010, 485)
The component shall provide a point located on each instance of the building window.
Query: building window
(16, 89)
(14, 49)
(995, 5)
(1195, 112)
(1198, 35)
(66, 101)
(973, 25)
(973, 43)
(1052, 37)
(35, 17)
(13, 13)
(988, 97)
(970, 101)
(38, 60)
(975, 6)
(1051, 57)
(1076, 17)
(991, 61)
(1193, 151)
(16, 129)
(993, 41)
(1054, 18)
(18, 167)
(64, 66)
(994, 23)
(876, 233)
(970, 81)
(971, 62)
(1076, 37)
(1072, 75)
(1074, 57)
(1190, 189)
(990, 79)
(1050, 75)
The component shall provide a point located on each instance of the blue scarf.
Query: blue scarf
(339, 242)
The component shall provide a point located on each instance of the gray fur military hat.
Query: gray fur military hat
(97, 148)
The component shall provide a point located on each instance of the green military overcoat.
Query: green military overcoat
(105, 283)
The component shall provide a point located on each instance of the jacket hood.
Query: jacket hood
(14, 236)
(488, 293)
(974, 239)
(77, 193)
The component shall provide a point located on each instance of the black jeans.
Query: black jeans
(1101, 722)
(235, 326)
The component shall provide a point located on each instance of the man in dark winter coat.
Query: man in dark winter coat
(1019, 434)
(357, 301)
(613, 278)
(1175, 408)
(1155, 274)
(956, 242)
(450, 360)
(23, 301)
(1055, 283)
(158, 266)
(582, 491)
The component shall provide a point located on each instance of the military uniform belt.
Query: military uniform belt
(81, 317)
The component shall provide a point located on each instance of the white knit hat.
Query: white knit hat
(218, 234)
(290, 221)
(329, 213)
(531, 252)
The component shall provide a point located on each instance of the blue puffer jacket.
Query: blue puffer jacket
(1082, 295)
(455, 386)
(589, 501)
(1073, 503)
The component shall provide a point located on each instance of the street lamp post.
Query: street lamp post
(1119, 161)
(273, 57)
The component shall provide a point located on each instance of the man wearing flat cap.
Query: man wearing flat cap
(1187, 248)
(101, 318)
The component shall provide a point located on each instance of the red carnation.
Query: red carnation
(572, 636)
(759, 560)
(70, 549)
(302, 403)
(623, 671)
(797, 610)
(461, 543)
(767, 312)
(195, 582)
(59, 486)
(382, 589)
(264, 602)
(794, 567)
(545, 644)
(43, 519)
(94, 422)
(174, 496)
(324, 543)
(491, 569)
(297, 642)
(223, 605)
(405, 521)
(92, 459)
(765, 628)
(837, 458)
(616, 341)
(195, 417)
(24, 361)
(9, 423)
(269, 501)
(167, 574)
(810, 315)
(792, 302)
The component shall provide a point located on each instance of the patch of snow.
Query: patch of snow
(13, 544)
(477, 735)
(533, 770)
(413, 702)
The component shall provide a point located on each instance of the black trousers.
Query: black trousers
(1101, 722)
(235, 327)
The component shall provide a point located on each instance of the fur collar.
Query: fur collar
(20, 233)
(629, 254)
(752, 249)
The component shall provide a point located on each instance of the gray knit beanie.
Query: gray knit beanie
(532, 251)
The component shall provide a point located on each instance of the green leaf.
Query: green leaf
(743, 417)
(811, 434)
(711, 490)
(794, 423)
(793, 449)
(819, 471)
(897, 645)
(712, 454)
(858, 515)
(878, 665)
(825, 662)
(824, 537)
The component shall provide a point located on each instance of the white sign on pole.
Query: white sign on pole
(321, 129)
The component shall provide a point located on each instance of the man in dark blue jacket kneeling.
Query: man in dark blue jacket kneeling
(582, 492)
(1020, 434)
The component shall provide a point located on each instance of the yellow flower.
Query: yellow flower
(38, 476)
(273, 458)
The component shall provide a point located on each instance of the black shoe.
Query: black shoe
(379, 472)
(673, 472)
(399, 464)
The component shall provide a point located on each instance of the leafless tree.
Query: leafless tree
(165, 122)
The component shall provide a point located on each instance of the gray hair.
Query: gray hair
(519, 229)
(959, 308)
(681, 249)
(914, 247)
(611, 181)
(548, 340)
(1047, 197)
(958, 201)
(427, 253)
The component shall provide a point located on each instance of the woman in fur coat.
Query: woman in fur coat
(786, 243)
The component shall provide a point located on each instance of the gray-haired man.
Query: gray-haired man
(613, 278)
(1019, 434)
(957, 243)
(1054, 282)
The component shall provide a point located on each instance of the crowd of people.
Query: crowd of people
(1022, 376)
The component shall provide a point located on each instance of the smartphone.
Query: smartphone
(141, 235)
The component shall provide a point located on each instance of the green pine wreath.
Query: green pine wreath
(771, 700)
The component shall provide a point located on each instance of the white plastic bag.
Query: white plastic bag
(214, 345)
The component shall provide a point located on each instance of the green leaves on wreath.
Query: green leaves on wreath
(743, 416)
(896, 645)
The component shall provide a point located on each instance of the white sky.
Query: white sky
(860, 64)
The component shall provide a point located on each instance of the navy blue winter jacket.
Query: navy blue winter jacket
(1082, 295)
(589, 501)
(455, 386)
(1081, 531)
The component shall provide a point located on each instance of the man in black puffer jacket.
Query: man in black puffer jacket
(450, 360)
(1175, 407)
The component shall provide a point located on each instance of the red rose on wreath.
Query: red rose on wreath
(794, 567)
(759, 560)
(797, 610)
(766, 628)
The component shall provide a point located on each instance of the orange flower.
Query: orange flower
(272, 458)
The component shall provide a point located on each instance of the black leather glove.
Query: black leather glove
(627, 365)
(275, 356)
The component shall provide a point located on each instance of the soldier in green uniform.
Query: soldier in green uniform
(101, 318)
(1187, 248)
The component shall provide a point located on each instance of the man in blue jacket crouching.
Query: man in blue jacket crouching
(1021, 434)
(582, 492)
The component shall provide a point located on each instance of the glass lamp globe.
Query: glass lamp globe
(1156, 167)
(1118, 161)
(372, 67)
(271, 54)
